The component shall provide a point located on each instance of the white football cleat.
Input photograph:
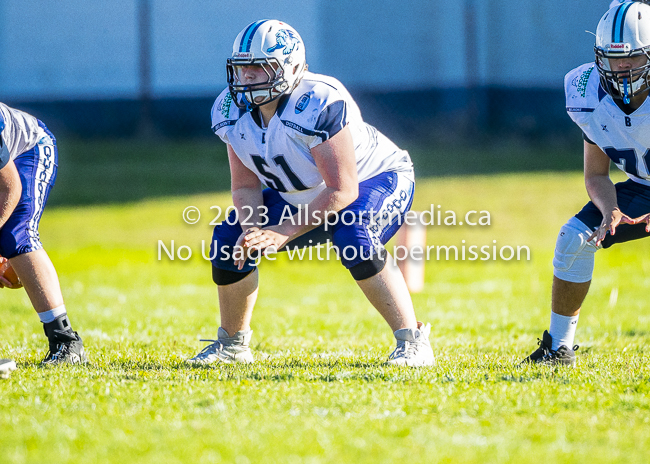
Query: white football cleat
(226, 349)
(6, 367)
(413, 347)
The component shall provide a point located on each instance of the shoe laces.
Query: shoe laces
(62, 350)
(213, 347)
(545, 348)
(550, 354)
(404, 349)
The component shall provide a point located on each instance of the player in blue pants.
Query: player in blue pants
(28, 166)
(301, 134)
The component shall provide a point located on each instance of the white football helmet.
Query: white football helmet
(278, 49)
(618, 2)
(624, 31)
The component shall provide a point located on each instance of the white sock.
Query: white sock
(49, 316)
(563, 330)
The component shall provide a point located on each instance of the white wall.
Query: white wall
(74, 49)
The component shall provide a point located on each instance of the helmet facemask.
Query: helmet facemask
(622, 85)
(257, 94)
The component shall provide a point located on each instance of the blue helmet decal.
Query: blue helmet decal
(286, 40)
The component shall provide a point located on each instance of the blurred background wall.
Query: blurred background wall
(420, 70)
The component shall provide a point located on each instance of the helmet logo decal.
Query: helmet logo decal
(618, 48)
(302, 103)
(285, 41)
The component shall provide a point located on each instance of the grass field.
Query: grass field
(320, 392)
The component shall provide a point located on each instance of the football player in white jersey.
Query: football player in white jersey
(609, 101)
(28, 166)
(302, 135)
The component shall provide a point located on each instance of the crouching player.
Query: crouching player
(302, 135)
(608, 100)
(28, 165)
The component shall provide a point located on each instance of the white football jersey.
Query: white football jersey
(625, 138)
(21, 130)
(317, 109)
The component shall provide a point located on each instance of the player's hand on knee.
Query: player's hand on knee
(261, 239)
(609, 224)
(239, 259)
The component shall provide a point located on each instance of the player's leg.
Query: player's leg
(237, 290)
(387, 198)
(573, 268)
(236, 303)
(20, 243)
(39, 278)
(573, 265)
(567, 297)
(237, 296)
(388, 293)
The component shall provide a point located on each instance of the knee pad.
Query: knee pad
(224, 277)
(372, 267)
(574, 255)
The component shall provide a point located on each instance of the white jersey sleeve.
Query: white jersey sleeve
(316, 111)
(20, 132)
(581, 91)
(225, 113)
(583, 94)
(321, 106)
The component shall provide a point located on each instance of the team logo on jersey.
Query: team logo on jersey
(580, 82)
(224, 105)
(284, 40)
(302, 103)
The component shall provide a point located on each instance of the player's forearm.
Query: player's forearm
(602, 193)
(328, 201)
(248, 202)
